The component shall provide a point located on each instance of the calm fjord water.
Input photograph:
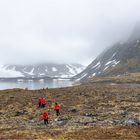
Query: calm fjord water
(35, 84)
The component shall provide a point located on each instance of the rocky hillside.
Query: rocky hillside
(120, 59)
(40, 70)
(89, 111)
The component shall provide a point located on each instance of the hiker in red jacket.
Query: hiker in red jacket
(57, 109)
(43, 102)
(39, 102)
(45, 116)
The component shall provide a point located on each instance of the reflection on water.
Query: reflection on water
(35, 84)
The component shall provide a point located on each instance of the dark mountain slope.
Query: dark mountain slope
(119, 59)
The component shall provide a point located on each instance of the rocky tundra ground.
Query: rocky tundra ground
(88, 111)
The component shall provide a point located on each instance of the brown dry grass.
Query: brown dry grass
(120, 79)
(105, 101)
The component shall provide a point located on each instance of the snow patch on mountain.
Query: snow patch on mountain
(97, 65)
(106, 68)
(113, 62)
(31, 72)
(93, 74)
(54, 69)
(64, 76)
(84, 75)
(113, 56)
(41, 74)
(71, 70)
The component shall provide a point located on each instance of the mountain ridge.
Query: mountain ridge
(40, 70)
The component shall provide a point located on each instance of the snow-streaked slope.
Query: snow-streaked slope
(117, 60)
(41, 70)
(121, 58)
(9, 73)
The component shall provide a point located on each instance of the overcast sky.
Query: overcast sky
(62, 31)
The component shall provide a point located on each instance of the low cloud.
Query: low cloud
(61, 31)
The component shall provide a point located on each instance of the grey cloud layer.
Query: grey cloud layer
(60, 31)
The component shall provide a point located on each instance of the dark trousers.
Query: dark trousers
(43, 105)
(46, 121)
(57, 112)
(39, 105)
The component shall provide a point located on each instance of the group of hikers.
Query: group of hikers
(42, 104)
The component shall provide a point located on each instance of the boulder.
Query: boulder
(18, 113)
(61, 121)
(132, 121)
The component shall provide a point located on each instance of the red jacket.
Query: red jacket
(39, 100)
(57, 107)
(45, 115)
(43, 101)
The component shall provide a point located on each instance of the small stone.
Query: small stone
(19, 113)
(11, 97)
(62, 122)
(73, 110)
(56, 119)
(132, 121)
(124, 114)
(31, 121)
(88, 115)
